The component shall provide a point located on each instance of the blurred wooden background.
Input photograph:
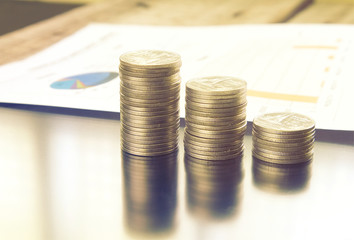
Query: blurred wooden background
(48, 21)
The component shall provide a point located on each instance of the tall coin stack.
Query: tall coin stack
(215, 117)
(283, 138)
(149, 102)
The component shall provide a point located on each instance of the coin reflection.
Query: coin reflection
(281, 178)
(213, 187)
(149, 192)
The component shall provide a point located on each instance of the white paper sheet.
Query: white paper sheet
(302, 68)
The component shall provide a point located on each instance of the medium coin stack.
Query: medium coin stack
(215, 117)
(283, 138)
(149, 102)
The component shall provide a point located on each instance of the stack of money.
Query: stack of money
(150, 195)
(215, 117)
(283, 138)
(213, 187)
(149, 102)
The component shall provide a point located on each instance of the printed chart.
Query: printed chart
(84, 80)
(299, 68)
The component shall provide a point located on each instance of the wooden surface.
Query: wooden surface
(29, 40)
(326, 13)
(18, 14)
(22, 43)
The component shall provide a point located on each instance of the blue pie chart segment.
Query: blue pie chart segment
(84, 80)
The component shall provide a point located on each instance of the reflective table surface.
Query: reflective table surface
(64, 177)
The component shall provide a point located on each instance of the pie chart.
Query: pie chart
(84, 80)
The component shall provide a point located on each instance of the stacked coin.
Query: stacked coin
(150, 195)
(149, 102)
(213, 187)
(283, 138)
(215, 117)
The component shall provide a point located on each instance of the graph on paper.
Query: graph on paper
(300, 68)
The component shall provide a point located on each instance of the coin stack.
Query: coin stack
(149, 102)
(215, 117)
(283, 138)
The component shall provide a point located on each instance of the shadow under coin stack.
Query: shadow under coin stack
(150, 195)
(281, 178)
(213, 187)
(215, 117)
(283, 138)
(149, 102)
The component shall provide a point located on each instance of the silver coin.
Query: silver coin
(217, 128)
(282, 140)
(151, 59)
(156, 147)
(151, 133)
(278, 155)
(156, 81)
(206, 113)
(214, 145)
(269, 143)
(149, 136)
(150, 146)
(148, 152)
(216, 85)
(281, 153)
(216, 121)
(216, 134)
(148, 104)
(219, 154)
(144, 125)
(147, 96)
(150, 86)
(284, 135)
(282, 161)
(149, 127)
(142, 70)
(216, 158)
(169, 136)
(148, 113)
(155, 100)
(211, 151)
(222, 99)
(198, 106)
(284, 123)
(171, 107)
(170, 90)
(210, 140)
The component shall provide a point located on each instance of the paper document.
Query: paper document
(301, 68)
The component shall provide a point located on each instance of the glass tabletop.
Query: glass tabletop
(65, 177)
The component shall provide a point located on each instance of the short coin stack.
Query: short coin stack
(215, 117)
(149, 102)
(283, 138)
